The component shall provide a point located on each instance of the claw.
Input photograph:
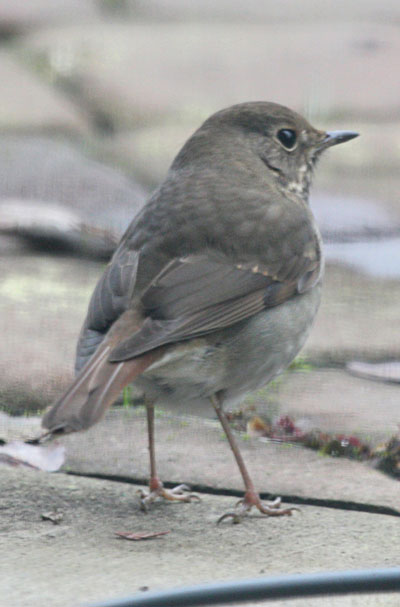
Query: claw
(178, 490)
(251, 499)
(233, 515)
(276, 503)
(177, 494)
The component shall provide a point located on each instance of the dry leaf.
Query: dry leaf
(55, 517)
(258, 427)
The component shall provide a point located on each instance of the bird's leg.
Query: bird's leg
(251, 497)
(156, 487)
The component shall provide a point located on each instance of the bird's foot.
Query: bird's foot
(251, 498)
(181, 493)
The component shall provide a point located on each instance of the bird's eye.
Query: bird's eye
(288, 138)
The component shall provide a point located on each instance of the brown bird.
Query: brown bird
(215, 284)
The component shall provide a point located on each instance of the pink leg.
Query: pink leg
(251, 497)
(156, 488)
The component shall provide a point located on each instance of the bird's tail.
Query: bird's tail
(94, 390)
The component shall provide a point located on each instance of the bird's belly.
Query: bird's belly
(190, 370)
(236, 360)
(268, 343)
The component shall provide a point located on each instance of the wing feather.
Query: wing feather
(196, 296)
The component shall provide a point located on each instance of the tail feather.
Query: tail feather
(94, 390)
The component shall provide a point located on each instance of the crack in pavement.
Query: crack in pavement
(289, 499)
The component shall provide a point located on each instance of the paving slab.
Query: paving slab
(148, 152)
(18, 16)
(333, 401)
(47, 110)
(115, 68)
(231, 10)
(43, 301)
(367, 182)
(195, 451)
(344, 219)
(81, 559)
(51, 189)
(388, 371)
(376, 257)
(358, 315)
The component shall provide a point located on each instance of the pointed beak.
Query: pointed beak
(335, 137)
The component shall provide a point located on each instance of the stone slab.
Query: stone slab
(115, 68)
(18, 16)
(29, 104)
(375, 257)
(388, 371)
(268, 11)
(344, 218)
(81, 561)
(43, 301)
(358, 317)
(148, 152)
(52, 189)
(195, 451)
(332, 401)
(369, 183)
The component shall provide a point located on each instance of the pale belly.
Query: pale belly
(234, 361)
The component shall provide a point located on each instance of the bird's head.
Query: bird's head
(274, 135)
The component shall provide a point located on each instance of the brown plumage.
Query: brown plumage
(214, 286)
(99, 383)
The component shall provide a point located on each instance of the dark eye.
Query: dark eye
(288, 138)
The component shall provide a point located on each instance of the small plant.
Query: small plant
(127, 400)
(301, 364)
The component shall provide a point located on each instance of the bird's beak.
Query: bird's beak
(335, 137)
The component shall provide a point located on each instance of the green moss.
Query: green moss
(19, 402)
(300, 363)
(127, 400)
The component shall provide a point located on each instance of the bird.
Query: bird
(213, 288)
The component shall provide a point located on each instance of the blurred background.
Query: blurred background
(96, 98)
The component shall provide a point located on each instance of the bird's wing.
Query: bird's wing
(110, 299)
(197, 295)
(189, 298)
(99, 382)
